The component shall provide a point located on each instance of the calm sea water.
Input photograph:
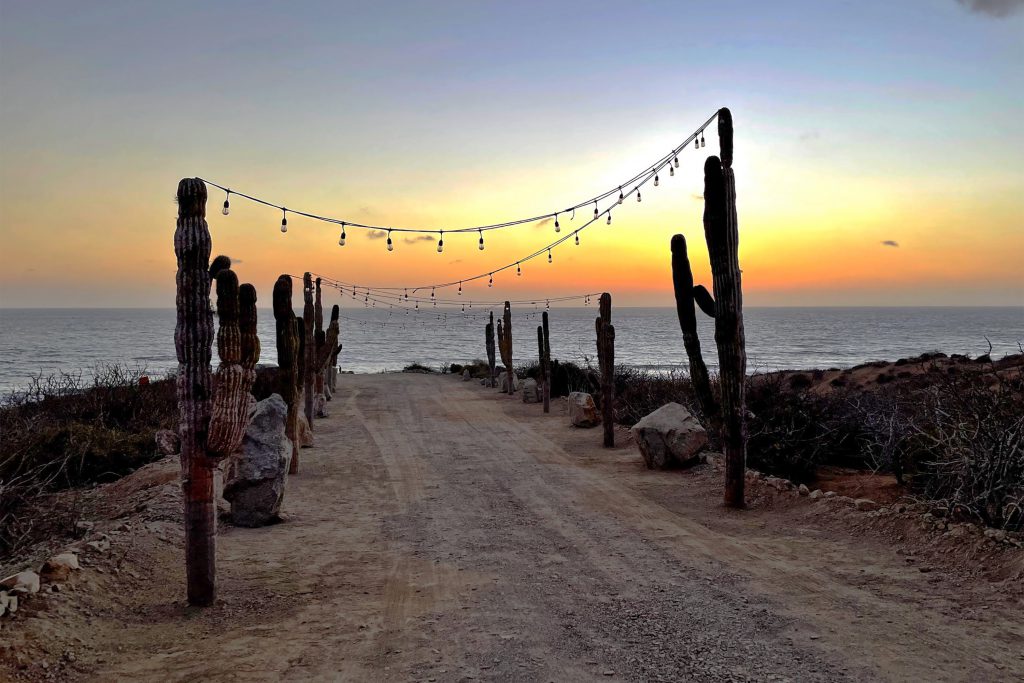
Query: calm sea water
(36, 341)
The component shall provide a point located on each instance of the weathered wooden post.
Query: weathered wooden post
(721, 230)
(309, 347)
(213, 414)
(546, 362)
(289, 381)
(489, 344)
(606, 363)
(326, 344)
(686, 294)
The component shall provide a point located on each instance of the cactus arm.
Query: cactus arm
(686, 293)
(702, 297)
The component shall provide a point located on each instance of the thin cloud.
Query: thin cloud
(418, 238)
(697, 196)
(376, 235)
(542, 222)
(809, 136)
(235, 260)
(890, 243)
(1000, 9)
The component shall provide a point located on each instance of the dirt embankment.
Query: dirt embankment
(441, 531)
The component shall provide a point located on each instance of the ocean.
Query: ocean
(34, 341)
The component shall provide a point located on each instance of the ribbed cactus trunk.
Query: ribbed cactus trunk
(686, 296)
(722, 234)
(193, 341)
(546, 362)
(542, 380)
(506, 347)
(489, 343)
(213, 411)
(288, 379)
(606, 363)
(309, 348)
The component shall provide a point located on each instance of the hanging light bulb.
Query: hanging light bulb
(519, 271)
(440, 243)
(431, 292)
(577, 238)
(702, 138)
(417, 305)
(621, 196)
(284, 220)
(638, 195)
(595, 208)
(391, 245)
(341, 238)
(549, 255)
(407, 295)
(227, 205)
(490, 280)
(549, 305)
(655, 179)
(481, 240)
(557, 228)
(609, 218)
(675, 161)
(463, 308)
(671, 169)
(460, 288)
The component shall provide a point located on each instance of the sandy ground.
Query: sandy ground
(440, 531)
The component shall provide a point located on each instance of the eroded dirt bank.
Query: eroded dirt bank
(440, 531)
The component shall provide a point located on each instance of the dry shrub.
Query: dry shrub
(64, 431)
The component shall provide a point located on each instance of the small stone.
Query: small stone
(803, 490)
(23, 582)
(168, 442)
(101, 545)
(531, 391)
(830, 494)
(865, 504)
(59, 567)
(816, 494)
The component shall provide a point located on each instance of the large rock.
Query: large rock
(531, 391)
(466, 375)
(503, 380)
(582, 410)
(256, 477)
(669, 437)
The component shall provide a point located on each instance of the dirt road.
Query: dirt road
(440, 531)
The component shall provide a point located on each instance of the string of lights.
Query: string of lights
(649, 171)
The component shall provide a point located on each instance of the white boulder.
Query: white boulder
(23, 582)
(669, 437)
(531, 391)
(582, 410)
(59, 567)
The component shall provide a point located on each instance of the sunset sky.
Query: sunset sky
(879, 145)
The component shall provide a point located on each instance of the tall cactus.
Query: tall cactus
(546, 362)
(213, 412)
(686, 295)
(722, 235)
(289, 379)
(606, 363)
(721, 231)
(489, 344)
(309, 348)
(505, 345)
